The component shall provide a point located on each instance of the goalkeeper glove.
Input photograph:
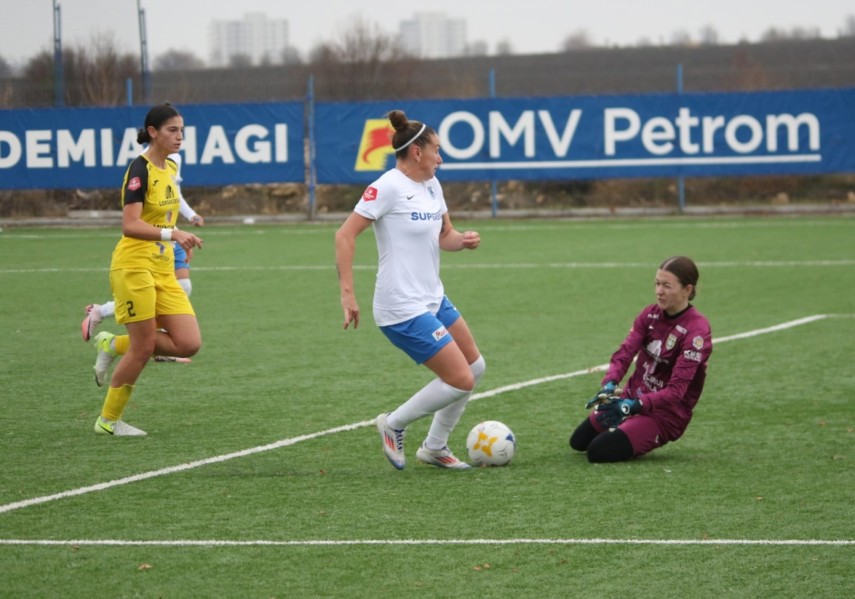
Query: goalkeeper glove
(604, 395)
(613, 413)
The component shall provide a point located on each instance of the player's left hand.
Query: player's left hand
(186, 240)
(613, 413)
(470, 240)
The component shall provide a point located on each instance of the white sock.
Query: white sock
(186, 285)
(107, 310)
(427, 400)
(447, 418)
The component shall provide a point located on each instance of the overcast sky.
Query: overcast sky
(530, 26)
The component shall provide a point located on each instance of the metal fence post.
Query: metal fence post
(494, 195)
(310, 114)
(681, 182)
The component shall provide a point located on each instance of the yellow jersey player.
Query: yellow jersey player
(149, 301)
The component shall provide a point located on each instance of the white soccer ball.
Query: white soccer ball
(491, 443)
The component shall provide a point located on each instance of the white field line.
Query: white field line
(347, 543)
(347, 427)
(469, 266)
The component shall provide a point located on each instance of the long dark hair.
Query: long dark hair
(155, 118)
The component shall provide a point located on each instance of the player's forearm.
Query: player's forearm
(451, 241)
(344, 252)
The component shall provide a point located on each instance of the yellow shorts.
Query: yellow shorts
(142, 295)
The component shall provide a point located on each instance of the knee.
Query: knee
(186, 347)
(463, 380)
(191, 348)
(610, 446)
(583, 435)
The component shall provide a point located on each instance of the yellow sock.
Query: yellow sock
(121, 343)
(115, 402)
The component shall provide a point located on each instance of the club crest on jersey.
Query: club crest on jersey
(370, 194)
(440, 333)
(671, 341)
(134, 184)
(375, 147)
(698, 342)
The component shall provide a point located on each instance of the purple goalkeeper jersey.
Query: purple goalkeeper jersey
(671, 366)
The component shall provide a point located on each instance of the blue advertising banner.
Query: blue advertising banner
(661, 135)
(92, 147)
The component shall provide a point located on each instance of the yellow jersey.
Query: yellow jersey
(157, 189)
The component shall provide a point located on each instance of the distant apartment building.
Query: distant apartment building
(433, 35)
(255, 37)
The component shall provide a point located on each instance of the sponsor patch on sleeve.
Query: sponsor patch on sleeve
(698, 342)
(694, 356)
(134, 184)
(370, 194)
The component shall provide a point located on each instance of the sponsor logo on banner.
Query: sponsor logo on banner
(375, 145)
(370, 194)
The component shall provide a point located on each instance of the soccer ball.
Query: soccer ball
(491, 443)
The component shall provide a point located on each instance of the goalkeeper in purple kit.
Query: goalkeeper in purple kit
(672, 342)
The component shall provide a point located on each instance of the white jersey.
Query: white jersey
(407, 219)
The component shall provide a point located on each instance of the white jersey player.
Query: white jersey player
(411, 224)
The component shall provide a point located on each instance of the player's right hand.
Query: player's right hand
(604, 395)
(351, 312)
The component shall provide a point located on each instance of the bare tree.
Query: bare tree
(363, 63)
(178, 60)
(504, 48)
(5, 69)
(773, 34)
(805, 33)
(240, 61)
(94, 75)
(477, 48)
(708, 36)
(681, 37)
(291, 55)
(578, 40)
(102, 71)
(849, 27)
